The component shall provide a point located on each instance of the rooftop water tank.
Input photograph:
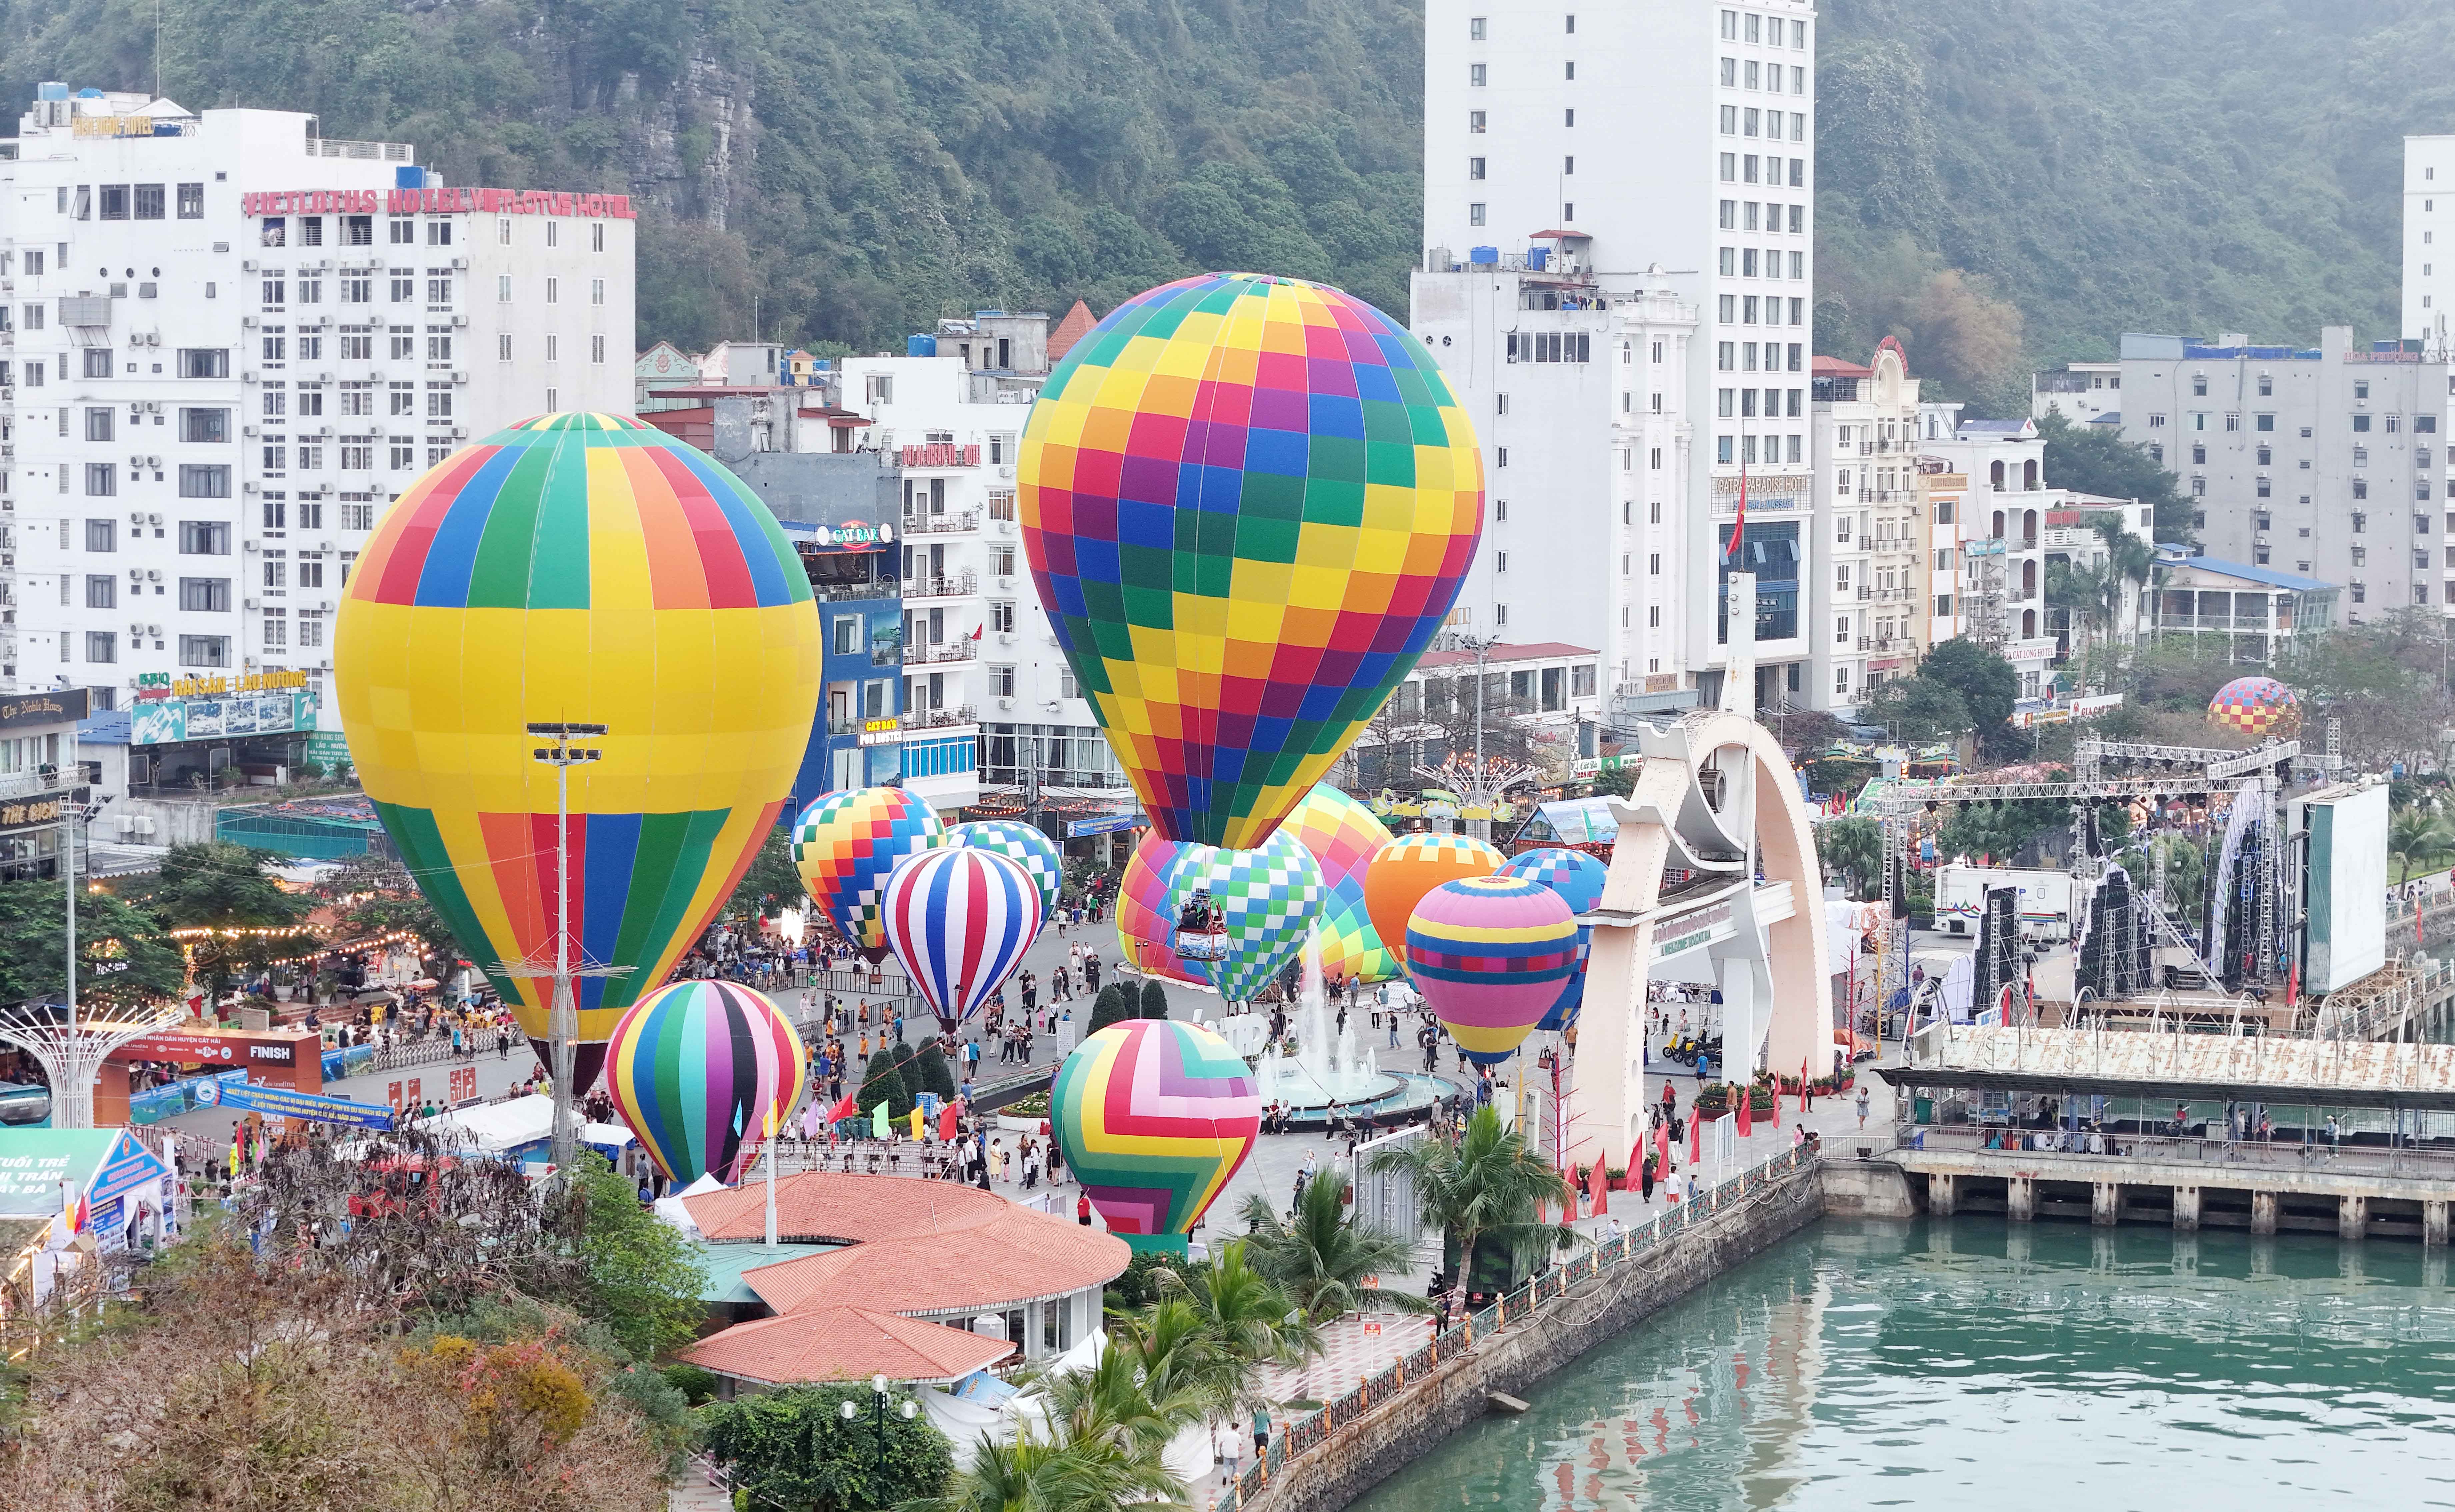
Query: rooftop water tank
(920, 346)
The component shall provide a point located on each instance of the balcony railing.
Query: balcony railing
(847, 592)
(962, 648)
(954, 585)
(963, 524)
(940, 718)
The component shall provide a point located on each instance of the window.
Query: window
(403, 290)
(1474, 215)
(204, 480)
(2199, 385)
(204, 539)
(101, 592)
(439, 233)
(204, 651)
(596, 286)
(553, 291)
(101, 479)
(98, 424)
(100, 536)
(276, 570)
(1475, 123)
(277, 629)
(2361, 488)
(1475, 76)
(207, 595)
(2155, 422)
(192, 201)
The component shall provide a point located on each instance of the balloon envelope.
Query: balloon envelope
(1403, 870)
(1145, 926)
(1489, 954)
(959, 918)
(1342, 834)
(696, 1069)
(1026, 845)
(1270, 899)
(1154, 1116)
(578, 568)
(2259, 706)
(845, 846)
(1578, 878)
(1249, 503)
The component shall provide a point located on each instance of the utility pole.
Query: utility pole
(562, 1012)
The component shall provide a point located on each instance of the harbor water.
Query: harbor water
(1962, 1364)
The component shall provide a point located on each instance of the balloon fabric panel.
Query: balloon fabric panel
(847, 844)
(1342, 834)
(1027, 846)
(1247, 503)
(1401, 873)
(512, 584)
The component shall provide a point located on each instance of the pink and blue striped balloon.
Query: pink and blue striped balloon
(696, 1068)
(959, 918)
(1489, 954)
(1578, 878)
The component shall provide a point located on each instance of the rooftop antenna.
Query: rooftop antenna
(157, 49)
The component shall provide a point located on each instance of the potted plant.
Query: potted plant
(1615, 1177)
(1712, 1099)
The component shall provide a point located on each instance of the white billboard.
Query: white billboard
(2344, 889)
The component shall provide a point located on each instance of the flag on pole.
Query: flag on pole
(848, 1108)
(1598, 1185)
(1739, 526)
(1740, 1095)
(880, 1125)
(1695, 1140)
(947, 1125)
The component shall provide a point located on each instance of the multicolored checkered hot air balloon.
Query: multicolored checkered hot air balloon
(1269, 899)
(1578, 878)
(1404, 870)
(696, 1069)
(1154, 1116)
(1489, 954)
(959, 918)
(578, 568)
(1026, 845)
(846, 845)
(1145, 926)
(2259, 706)
(1249, 503)
(1342, 834)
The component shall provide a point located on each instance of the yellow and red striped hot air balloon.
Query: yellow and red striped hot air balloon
(578, 568)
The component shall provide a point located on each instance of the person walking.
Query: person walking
(1862, 1107)
(1261, 1435)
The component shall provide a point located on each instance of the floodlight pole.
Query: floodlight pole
(562, 1012)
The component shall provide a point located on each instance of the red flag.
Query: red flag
(847, 1108)
(1740, 1093)
(1802, 1084)
(1739, 526)
(1598, 1183)
(2293, 984)
(1695, 1140)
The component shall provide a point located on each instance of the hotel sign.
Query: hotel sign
(942, 454)
(32, 814)
(886, 730)
(437, 201)
(20, 710)
(161, 685)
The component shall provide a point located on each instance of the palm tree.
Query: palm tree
(1483, 1191)
(2416, 835)
(1035, 1474)
(1152, 1377)
(1322, 1256)
(1246, 1313)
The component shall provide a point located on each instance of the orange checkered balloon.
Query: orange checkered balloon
(2259, 706)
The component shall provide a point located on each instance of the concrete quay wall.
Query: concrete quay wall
(1391, 1435)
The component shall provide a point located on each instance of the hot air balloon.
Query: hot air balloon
(1489, 954)
(585, 570)
(1268, 901)
(959, 918)
(1027, 845)
(1403, 870)
(1578, 878)
(1249, 502)
(1154, 1116)
(847, 844)
(1145, 926)
(2260, 706)
(695, 1070)
(1342, 835)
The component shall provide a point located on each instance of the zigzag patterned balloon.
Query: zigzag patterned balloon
(1022, 844)
(846, 845)
(1342, 834)
(1578, 878)
(960, 920)
(1154, 1116)
(1271, 898)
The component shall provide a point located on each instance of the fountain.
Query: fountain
(1328, 1066)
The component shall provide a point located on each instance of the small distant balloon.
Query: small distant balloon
(1578, 878)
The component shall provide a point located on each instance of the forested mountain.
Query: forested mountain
(2002, 183)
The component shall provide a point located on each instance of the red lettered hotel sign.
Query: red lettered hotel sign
(441, 201)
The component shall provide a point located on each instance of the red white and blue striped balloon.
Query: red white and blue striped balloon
(960, 920)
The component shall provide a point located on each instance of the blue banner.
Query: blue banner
(1106, 824)
(282, 1102)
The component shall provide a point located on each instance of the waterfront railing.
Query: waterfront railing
(1512, 1311)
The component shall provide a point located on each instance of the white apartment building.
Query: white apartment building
(1868, 598)
(2428, 294)
(2083, 392)
(975, 636)
(1995, 589)
(1662, 149)
(230, 345)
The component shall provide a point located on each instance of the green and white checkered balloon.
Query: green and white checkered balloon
(1027, 847)
(1270, 898)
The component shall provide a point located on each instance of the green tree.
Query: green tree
(1916, 710)
(1852, 853)
(642, 1279)
(2096, 459)
(374, 895)
(769, 884)
(216, 886)
(882, 1080)
(1482, 1191)
(933, 1074)
(1030, 1473)
(1113, 1005)
(123, 954)
(794, 1449)
(2416, 838)
(1997, 830)
(1987, 685)
(1322, 1256)
(1616, 782)
(1154, 999)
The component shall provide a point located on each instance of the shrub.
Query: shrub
(1154, 999)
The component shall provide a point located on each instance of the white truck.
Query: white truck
(2045, 900)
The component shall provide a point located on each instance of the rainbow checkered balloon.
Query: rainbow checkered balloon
(1026, 845)
(1578, 878)
(578, 568)
(1271, 898)
(846, 845)
(1249, 503)
(1145, 926)
(1489, 954)
(1154, 1116)
(1342, 835)
(1403, 870)
(697, 1069)
(2259, 706)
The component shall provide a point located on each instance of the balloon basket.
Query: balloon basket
(1157, 1243)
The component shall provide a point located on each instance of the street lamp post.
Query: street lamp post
(878, 1406)
(562, 1013)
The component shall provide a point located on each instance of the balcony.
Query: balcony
(962, 648)
(954, 585)
(964, 524)
(940, 718)
(853, 593)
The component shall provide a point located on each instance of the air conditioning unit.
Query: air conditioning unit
(136, 518)
(249, 488)
(135, 630)
(248, 266)
(134, 463)
(153, 461)
(1005, 470)
(460, 265)
(137, 575)
(154, 520)
(250, 547)
(323, 377)
(1006, 703)
(461, 321)
(1005, 638)
(461, 377)
(153, 632)
(249, 603)
(244, 431)
(247, 322)
(247, 375)
(153, 574)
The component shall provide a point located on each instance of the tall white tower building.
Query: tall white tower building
(1588, 160)
(227, 345)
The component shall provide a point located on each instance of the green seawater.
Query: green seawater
(1979, 1365)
